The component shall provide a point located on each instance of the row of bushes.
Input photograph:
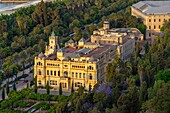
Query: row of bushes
(22, 104)
(46, 97)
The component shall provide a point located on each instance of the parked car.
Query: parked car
(25, 81)
(11, 85)
(22, 79)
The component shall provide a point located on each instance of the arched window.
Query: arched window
(39, 72)
(39, 63)
(65, 73)
(39, 82)
(90, 76)
(90, 67)
(58, 73)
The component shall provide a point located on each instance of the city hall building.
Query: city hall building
(83, 63)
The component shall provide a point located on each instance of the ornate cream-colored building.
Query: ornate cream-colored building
(153, 14)
(83, 63)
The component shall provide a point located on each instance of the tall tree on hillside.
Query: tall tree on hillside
(14, 87)
(3, 93)
(35, 85)
(6, 67)
(143, 92)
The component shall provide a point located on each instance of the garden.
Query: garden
(27, 101)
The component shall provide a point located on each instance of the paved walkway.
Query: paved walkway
(37, 102)
(31, 106)
(30, 100)
(54, 92)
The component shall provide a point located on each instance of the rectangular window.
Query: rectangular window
(73, 74)
(53, 82)
(154, 20)
(51, 72)
(154, 27)
(47, 72)
(149, 20)
(83, 75)
(54, 73)
(78, 84)
(79, 75)
(159, 20)
(149, 27)
(76, 75)
(159, 26)
(58, 73)
(149, 34)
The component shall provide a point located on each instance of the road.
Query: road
(26, 71)
(20, 84)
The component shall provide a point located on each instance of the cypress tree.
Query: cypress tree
(35, 87)
(90, 87)
(48, 88)
(14, 87)
(7, 88)
(3, 94)
(60, 90)
(72, 88)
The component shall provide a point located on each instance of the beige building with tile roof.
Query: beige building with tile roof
(153, 14)
(83, 63)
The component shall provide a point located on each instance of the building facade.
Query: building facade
(83, 63)
(123, 38)
(75, 65)
(153, 15)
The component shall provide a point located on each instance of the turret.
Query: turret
(106, 25)
(81, 42)
(53, 45)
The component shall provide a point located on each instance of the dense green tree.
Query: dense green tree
(143, 92)
(128, 103)
(7, 69)
(163, 75)
(160, 102)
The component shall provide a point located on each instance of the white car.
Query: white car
(11, 85)
(22, 79)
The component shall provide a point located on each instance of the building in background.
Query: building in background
(123, 38)
(153, 14)
(83, 63)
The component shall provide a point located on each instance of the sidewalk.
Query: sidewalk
(54, 92)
